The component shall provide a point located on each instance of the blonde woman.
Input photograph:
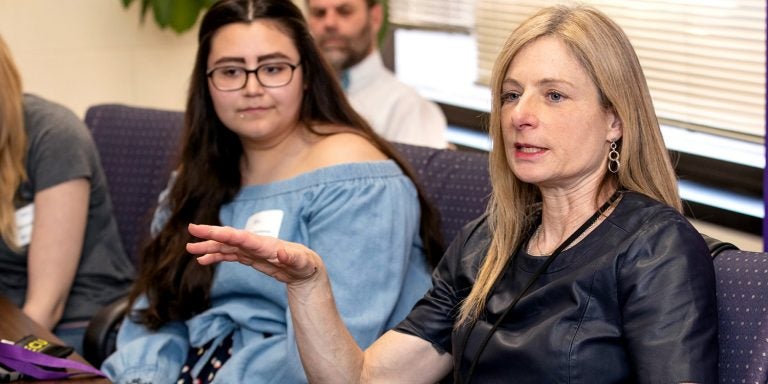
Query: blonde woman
(60, 254)
(583, 270)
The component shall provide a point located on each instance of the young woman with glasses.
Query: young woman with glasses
(272, 147)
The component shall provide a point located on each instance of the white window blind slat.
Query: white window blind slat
(697, 97)
(444, 14)
(740, 75)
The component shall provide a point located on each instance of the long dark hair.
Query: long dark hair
(175, 285)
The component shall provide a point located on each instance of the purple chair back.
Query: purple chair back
(136, 146)
(742, 306)
(457, 182)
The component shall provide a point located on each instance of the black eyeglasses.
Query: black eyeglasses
(270, 75)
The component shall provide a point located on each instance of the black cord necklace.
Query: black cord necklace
(565, 244)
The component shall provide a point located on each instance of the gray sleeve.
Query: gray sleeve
(60, 145)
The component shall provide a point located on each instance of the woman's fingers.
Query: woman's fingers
(224, 235)
(212, 258)
(285, 261)
(209, 246)
(230, 240)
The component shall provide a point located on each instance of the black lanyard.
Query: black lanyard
(565, 244)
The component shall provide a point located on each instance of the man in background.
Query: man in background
(346, 32)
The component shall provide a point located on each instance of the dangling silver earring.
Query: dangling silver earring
(613, 158)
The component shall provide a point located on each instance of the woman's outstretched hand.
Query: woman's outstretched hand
(285, 261)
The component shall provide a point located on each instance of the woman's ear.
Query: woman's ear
(615, 128)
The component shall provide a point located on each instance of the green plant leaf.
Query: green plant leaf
(183, 14)
(162, 11)
(179, 15)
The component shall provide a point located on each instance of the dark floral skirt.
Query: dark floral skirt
(219, 356)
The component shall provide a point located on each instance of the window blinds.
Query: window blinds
(452, 15)
(704, 60)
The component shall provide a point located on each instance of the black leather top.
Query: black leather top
(632, 302)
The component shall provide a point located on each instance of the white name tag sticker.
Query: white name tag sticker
(265, 223)
(25, 217)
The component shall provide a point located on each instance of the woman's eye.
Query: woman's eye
(555, 96)
(508, 97)
(231, 71)
(273, 69)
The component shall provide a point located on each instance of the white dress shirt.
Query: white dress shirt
(395, 111)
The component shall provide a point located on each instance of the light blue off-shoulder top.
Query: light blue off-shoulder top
(361, 218)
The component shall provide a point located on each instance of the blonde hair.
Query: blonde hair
(13, 144)
(608, 57)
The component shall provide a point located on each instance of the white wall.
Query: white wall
(84, 52)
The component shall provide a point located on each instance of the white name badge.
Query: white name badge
(25, 217)
(265, 223)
